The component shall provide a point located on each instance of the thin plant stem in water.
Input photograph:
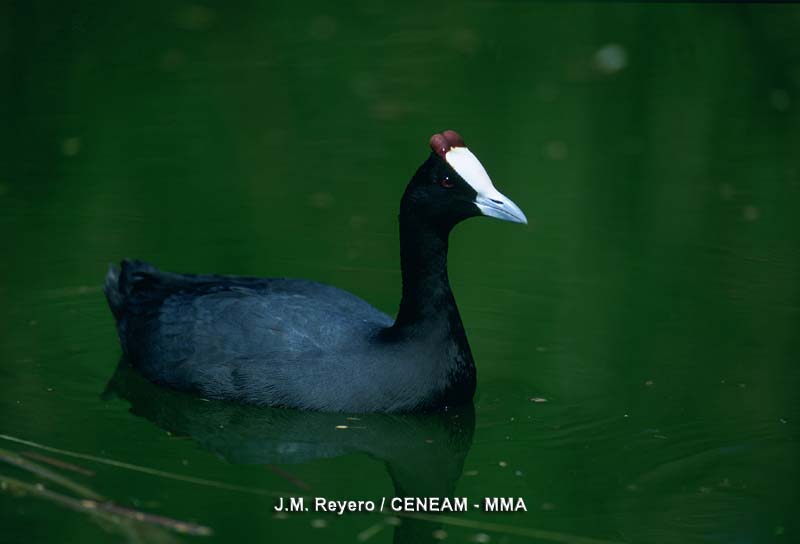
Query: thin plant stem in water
(20, 462)
(57, 463)
(103, 509)
(147, 470)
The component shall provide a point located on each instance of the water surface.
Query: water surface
(636, 343)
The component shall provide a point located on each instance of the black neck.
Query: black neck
(428, 309)
(423, 260)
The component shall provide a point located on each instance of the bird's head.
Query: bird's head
(452, 185)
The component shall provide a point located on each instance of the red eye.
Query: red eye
(446, 183)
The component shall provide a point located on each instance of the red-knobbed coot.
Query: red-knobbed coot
(305, 345)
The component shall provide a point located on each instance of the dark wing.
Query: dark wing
(234, 337)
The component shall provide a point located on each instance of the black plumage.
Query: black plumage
(302, 344)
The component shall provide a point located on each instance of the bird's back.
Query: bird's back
(238, 337)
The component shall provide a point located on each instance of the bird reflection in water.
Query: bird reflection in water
(424, 453)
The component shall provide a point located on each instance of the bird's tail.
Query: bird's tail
(120, 281)
(114, 295)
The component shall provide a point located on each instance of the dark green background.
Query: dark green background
(654, 299)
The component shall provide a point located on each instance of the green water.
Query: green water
(653, 302)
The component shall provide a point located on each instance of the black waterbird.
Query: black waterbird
(301, 344)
